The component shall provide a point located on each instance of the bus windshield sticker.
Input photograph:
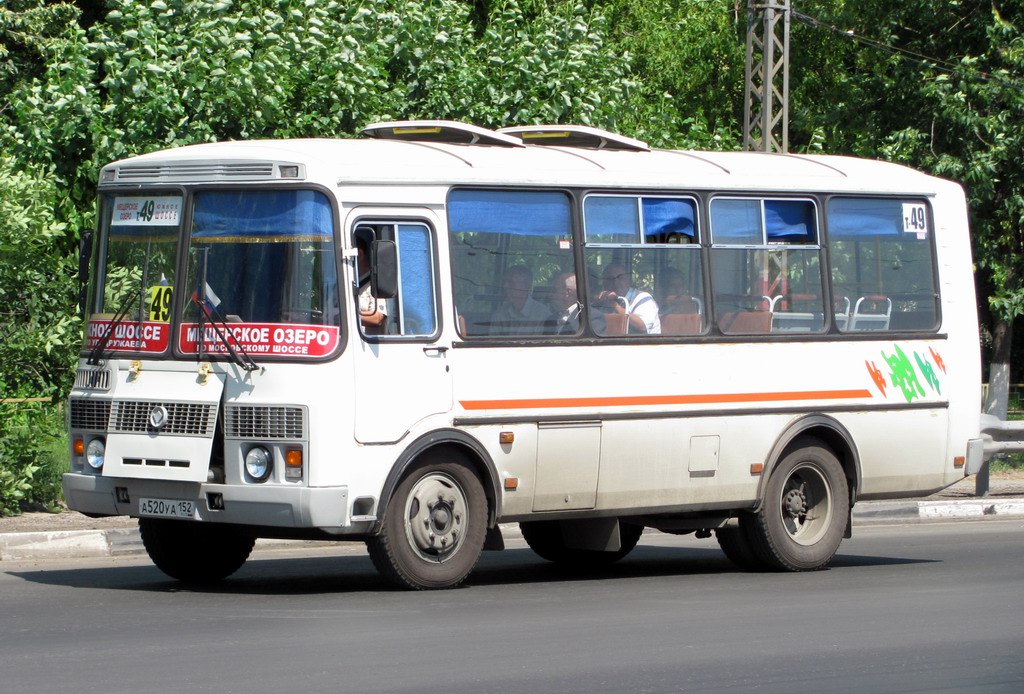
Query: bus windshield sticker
(161, 210)
(915, 220)
(152, 337)
(274, 339)
(160, 298)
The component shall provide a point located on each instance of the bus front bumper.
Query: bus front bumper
(277, 506)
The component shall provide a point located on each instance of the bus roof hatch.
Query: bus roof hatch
(575, 136)
(447, 131)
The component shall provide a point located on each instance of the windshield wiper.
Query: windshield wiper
(96, 353)
(207, 304)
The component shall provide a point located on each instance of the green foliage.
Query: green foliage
(39, 328)
(33, 455)
(688, 66)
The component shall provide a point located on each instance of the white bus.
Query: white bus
(411, 338)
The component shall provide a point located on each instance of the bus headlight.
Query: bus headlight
(94, 453)
(258, 463)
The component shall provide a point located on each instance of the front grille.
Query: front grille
(92, 379)
(264, 422)
(183, 418)
(155, 462)
(90, 415)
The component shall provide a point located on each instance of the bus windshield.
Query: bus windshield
(133, 281)
(263, 259)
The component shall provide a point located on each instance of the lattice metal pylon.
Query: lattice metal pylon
(766, 101)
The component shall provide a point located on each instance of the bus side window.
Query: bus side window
(412, 312)
(882, 265)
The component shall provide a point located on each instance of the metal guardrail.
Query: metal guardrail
(1001, 436)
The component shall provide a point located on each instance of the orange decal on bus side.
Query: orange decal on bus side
(650, 400)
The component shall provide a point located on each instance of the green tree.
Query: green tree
(937, 85)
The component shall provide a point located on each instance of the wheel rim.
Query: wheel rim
(436, 517)
(806, 504)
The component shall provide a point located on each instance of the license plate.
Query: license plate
(167, 508)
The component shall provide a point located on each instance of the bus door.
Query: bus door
(400, 365)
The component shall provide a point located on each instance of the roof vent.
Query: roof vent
(575, 136)
(451, 132)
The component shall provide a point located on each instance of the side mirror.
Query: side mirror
(84, 256)
(384, 269)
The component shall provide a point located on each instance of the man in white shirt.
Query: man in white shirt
(639, 307)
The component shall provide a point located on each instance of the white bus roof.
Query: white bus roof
(405, 162)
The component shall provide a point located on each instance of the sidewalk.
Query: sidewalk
(67, 535)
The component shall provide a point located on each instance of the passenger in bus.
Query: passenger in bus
(565, 305)
(619, 298)
(675, 298)
(373, 313)
(519, 313)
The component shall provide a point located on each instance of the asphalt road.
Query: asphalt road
(918, 608)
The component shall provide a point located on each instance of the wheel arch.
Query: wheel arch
(445, 439)
(832, 434)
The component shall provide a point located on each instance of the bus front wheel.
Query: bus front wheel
(195, 552)
(804, 513)
(434, 527)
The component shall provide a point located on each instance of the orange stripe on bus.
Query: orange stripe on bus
(632, 401)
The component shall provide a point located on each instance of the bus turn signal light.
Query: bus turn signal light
(958, 462)
(506, 437)
(293, 463)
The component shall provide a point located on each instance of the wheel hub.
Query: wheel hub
(436, 517)
(795, 503)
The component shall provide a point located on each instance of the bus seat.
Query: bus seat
(871, 313)
(745, 322)
(615, 323)
(680, 324)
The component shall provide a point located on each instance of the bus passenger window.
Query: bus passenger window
(507, 248)
(883, 264)
(644, 265)
(766, 266)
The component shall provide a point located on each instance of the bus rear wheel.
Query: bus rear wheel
(194, 552)
(805, 510)
(434, 527)
(737, 546)
(546, 540)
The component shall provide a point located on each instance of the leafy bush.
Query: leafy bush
(39, 336)
(33, 456)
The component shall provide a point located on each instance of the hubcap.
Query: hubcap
(806, 504)
(435, 517)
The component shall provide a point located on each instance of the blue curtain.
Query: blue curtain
(790, 220)
(864, 217)
(417, 279)
(525, 213)
(668, 216)
(262, 215)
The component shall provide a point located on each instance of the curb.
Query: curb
(79, 544)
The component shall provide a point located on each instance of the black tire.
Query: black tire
(805, 510)
(545, 538)
(434, 526)
(194, 552)
(737, 546)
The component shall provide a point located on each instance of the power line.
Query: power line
(906, 53)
